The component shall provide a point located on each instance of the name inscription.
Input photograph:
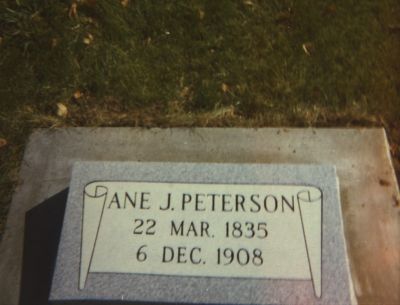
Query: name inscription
(217, 230)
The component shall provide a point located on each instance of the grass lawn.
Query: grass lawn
(195, 63)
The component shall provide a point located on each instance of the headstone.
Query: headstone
(202, 233)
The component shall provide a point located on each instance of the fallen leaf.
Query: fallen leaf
(124, 3)
(224, 88)
(3, 142)
(88, 39)
(308, 48)
(62, 110)
(201, 14)
(73, 10)
(78, 94)
(248, 2)
(185, 91)
(54, 42)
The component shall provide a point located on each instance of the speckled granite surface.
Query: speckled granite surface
(336, 283)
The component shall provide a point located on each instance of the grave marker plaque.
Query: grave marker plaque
(202, 233)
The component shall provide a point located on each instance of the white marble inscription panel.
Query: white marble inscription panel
(209, 230)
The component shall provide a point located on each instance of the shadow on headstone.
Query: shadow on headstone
(42, 233)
